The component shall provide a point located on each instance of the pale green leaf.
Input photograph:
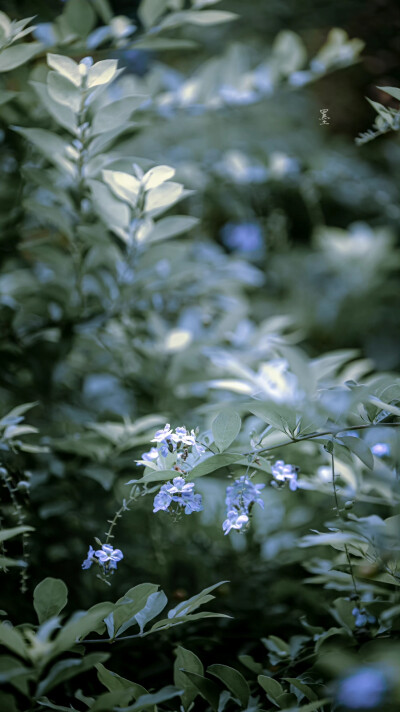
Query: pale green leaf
(49, 598)
(225, 428)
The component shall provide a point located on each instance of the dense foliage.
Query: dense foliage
(199, 311)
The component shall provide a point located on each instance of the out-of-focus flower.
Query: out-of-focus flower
(243, 237)
(364, 689)
(381, 449)
(281, 165)
(240, 498)
(243, 493)
(277, 382)
(283, 473)
(362, 617)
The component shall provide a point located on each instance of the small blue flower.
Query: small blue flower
(162, 500)
(243, 237)
(89, 559)
(364, 689)
(243, 493)
(182, 493)
(163, 435)
(282, 472)
(179, 486)
(192, 503)
(109, 555)
(381, 450)
(234, 520)
(362, 617)
(151, 455)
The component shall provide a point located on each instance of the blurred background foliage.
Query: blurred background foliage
(297, 239)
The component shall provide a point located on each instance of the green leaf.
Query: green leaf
(130, 604)
(123, 185)
(157, 176)
(14, 531)
(49, 598)
(233, 680)
(19, 409)
(112, 700)
(67, 669)
(198, 17)
(113, 115)
(289, 52)
(63, 91)
(191, 604)
(207, 689)
(384, 406)
(12, 639)
(311, 707)
(279, 416)
(271, 687)
(52, 146)
(156, 476)
(150, 11)
(171, 227)
(393, 91)
(65, 66)
(300, 685)
(225, 428)
(154, 698)
(80, 625)
(5, 561)
(80, 16)
(156, 603)
(163, 197)
(102, 72)
(111, 210)
(7, 702)
(155, 43)
(11, 668)
(213, 463)
(13, 57)
(115, 682)
(360, 449)
(189, 661)
(249, 662)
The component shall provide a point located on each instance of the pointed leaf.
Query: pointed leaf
(226, 427)
(233, 680)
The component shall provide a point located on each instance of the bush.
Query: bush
(199, 308)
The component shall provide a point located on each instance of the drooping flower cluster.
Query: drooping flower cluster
(181, 493)
(168, 441)
(107, 557)
(283, 473)
(240, 498)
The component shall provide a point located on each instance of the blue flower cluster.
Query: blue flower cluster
(180, 492)
(283, 473)
(169, 441)
(107, 557)
(240, 498)
(363, 618)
